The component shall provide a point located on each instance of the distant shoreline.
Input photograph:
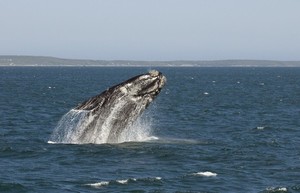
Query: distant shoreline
(150, 66)
(42, 61)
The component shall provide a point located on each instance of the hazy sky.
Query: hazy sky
(151, 29)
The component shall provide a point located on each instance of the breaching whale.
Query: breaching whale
(105, 116)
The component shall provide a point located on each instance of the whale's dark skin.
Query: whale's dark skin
(119, 106)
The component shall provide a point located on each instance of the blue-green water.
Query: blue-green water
(212, 129)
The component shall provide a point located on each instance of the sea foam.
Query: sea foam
(277, 189)
(206, 174)
(124, 181)
(98, 184)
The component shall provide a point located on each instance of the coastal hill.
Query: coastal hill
(14, 60)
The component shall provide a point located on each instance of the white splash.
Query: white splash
(280, 189)
(68, 129)
(140, 131)
(122, 181)
(98, 184)
(51, 142)
(206, 174)
(72, 127)
(260, 128)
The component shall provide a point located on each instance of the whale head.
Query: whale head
(146, 86)
(141, 89)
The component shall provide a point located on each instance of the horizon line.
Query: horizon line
(137, 60)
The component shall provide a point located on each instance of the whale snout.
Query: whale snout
(146, 85)
(151, 83)
(156, 74)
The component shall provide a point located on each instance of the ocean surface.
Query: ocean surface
(209, 130)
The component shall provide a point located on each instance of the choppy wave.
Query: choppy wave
(12, 187)
(275, 190)
(124, 181)
(206, 174)
(145, 180)
(98, 184)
